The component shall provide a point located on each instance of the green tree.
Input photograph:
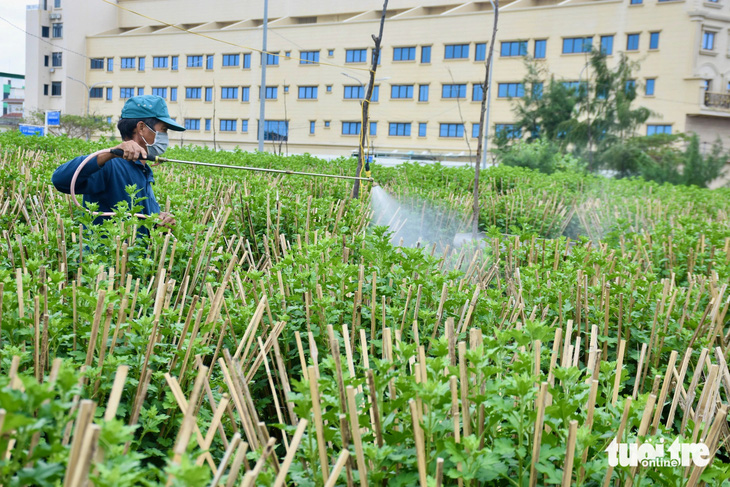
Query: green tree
(74, 126)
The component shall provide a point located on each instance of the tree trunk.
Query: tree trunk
(366, 104)
(482, 128)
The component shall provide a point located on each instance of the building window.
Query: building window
(173, 93)
(456, 51)
(706, 84)
(425, 54)
(209, 60)
(477, 92)
(480, 51)
(45, 31)
(109, 94)
(193, 93)
(192, 124)
(658, 129)
(326, 124)
(422, 92)
(57, 59)
(514, 48)
(272, 92)
(312, 124)
(540, 48)
(355, 55)
(330, 52)
(142, 63)
(161, 92)
(354, 92)
(57, 30)
(350, 128)
(110, 64)
(45, 90)
(140, 91)
(245, 93)
(637, 2)
(507, 130)
(422, 129)
(159, 62)
(46, 60)
(537, 90)
(96, 93)
(401, 91)
(308, 57)
(231, 59)
(632, 42)
(109, 120)
(373, 128)
(272, 58)
(572, 45)
(399, 129)
(227, 125)
(207, 124)
(451, 130)
(195, 61)
(128, 62)
(56, 3)
(287, 53)
(630, 86)
(708, 41)
(607, 45)
(276, 130)
(328, 88)
(404, 53)
(654, 40)
(307, 92)
(229, 93)
(244, 125)
(649, 88)
(126, 93)
(453, 91)
(209, 93)
(247, 61)
(173, 62)
(510, 90)
(475, 131)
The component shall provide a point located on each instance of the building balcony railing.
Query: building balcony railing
(717, 101)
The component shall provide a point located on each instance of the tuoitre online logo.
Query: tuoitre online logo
(648, 455)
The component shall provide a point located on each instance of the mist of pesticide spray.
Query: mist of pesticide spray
(414, 224)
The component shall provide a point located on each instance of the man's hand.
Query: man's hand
(167, 220)
(132, 152)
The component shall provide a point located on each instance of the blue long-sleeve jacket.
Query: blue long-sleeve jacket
(106, 185)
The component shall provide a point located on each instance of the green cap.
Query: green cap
(150, 106)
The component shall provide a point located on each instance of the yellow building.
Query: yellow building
(92, 55)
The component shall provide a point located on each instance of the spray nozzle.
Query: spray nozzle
(367, 166)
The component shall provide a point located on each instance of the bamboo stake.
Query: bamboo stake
(319, 426)
(537, 436)
(281, 477)
(569, 455)
(341, 461)
(420, 447)
(356, 439)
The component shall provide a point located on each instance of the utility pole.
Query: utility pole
(262, 91)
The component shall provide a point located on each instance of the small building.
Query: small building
(13, 99)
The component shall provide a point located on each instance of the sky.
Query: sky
(12, 40)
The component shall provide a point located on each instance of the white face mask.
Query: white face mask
(159, 145)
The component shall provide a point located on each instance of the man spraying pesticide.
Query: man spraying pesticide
(105, 174)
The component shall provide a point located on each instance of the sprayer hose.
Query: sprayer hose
(278, 171)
